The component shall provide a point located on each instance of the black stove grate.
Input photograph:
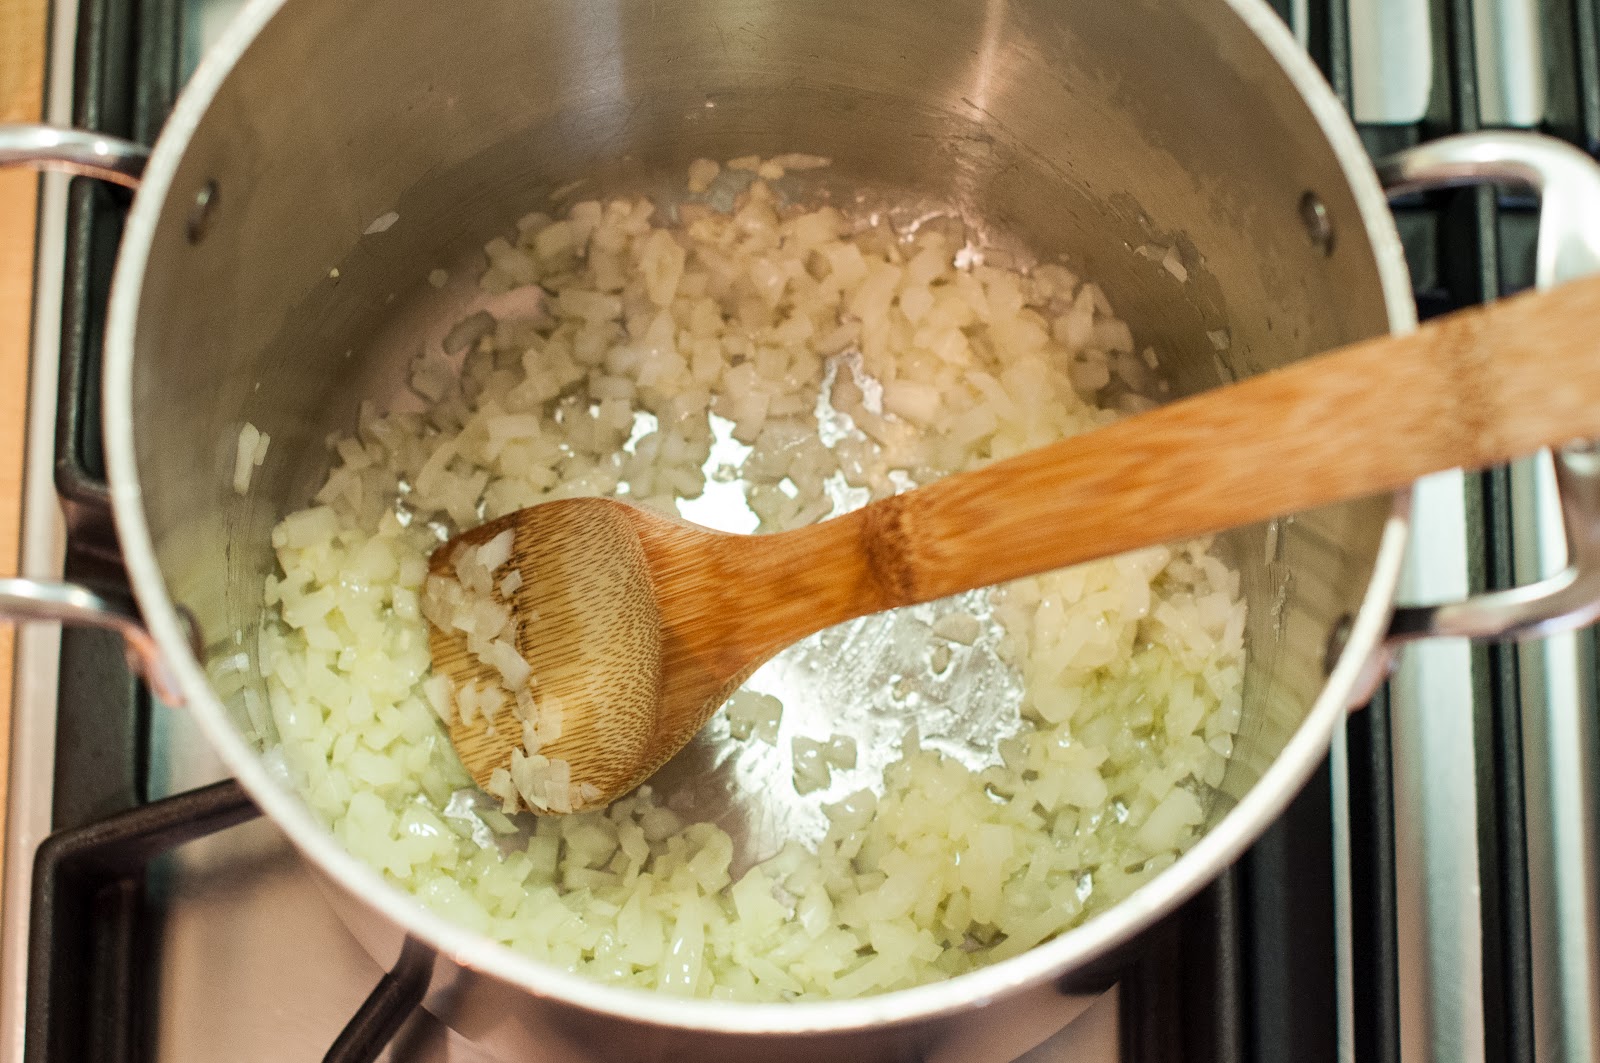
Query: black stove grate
(88, 993)
(1244, 972)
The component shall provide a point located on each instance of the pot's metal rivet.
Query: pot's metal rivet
(205, 201)
(1314, 216)
(1337, 638)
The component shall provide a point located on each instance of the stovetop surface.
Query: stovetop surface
(224, 949)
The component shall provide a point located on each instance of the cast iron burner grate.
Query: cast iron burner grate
(1244, 972)
(86, 935)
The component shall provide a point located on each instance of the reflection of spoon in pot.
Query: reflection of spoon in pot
(638, 626)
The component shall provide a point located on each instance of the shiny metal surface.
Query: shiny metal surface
(1003, 111)
(1557, 685)
(1344, 962)
(248, 888)
(1559, 601)
(24, 600)
(1299, 18)
(1563, 176)
(1509, 60)
(1432, 711)
(268, 909)
(1391, 60)
(1557, 549)
(1568, 184)
(1556, 682)
(31, 766)
(73, 151)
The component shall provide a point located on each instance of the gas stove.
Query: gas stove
(1430, 896)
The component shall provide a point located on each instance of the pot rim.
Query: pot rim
(1215, 850)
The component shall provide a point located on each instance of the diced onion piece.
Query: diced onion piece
(252, 443)
(957, 627)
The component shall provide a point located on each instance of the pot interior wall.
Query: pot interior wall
(1067, 128)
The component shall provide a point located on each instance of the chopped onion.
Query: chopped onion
(250, 453)
(681, 363)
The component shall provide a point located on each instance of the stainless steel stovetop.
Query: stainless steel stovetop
(1459, 814)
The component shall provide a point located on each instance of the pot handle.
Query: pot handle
(110, 610)
(120, 162)
(1568, 184)
(75, 151)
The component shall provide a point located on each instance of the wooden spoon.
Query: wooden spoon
(642, 625)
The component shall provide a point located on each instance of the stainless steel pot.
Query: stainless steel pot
(1077, 127)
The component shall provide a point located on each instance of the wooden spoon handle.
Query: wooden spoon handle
(1473, 389)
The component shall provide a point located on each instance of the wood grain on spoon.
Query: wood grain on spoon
(642, 625)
